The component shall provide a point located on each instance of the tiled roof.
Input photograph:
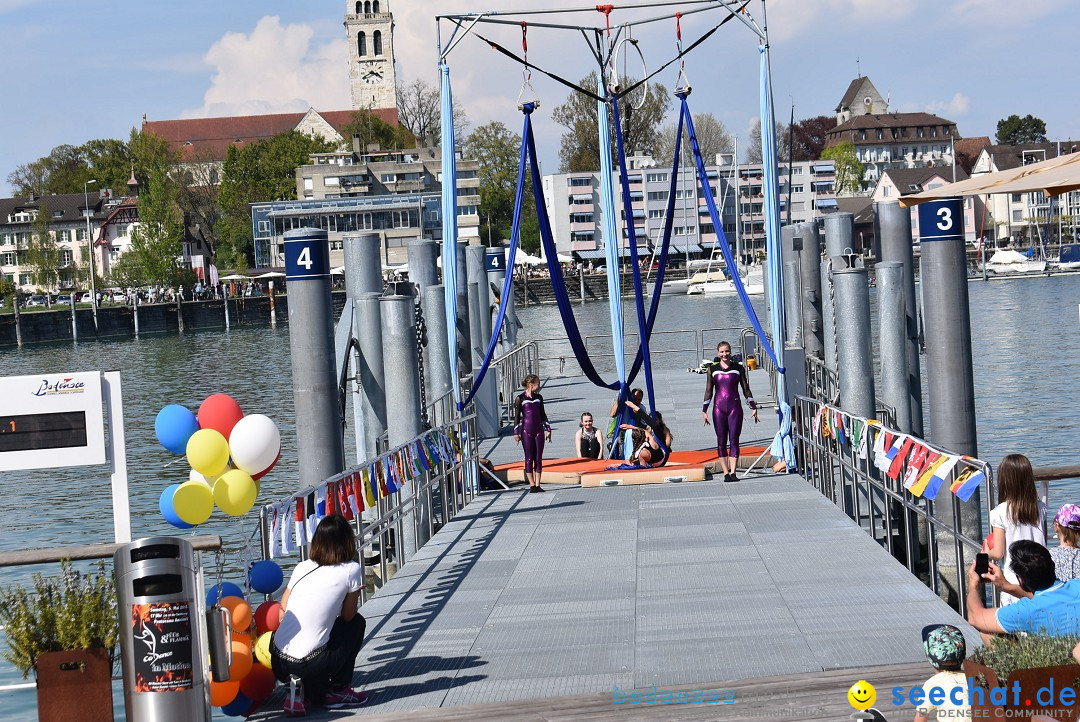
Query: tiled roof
(904, 178)
(1011, 156)
(68, 204)
(889, 120)
(859, 206)
(210, 138)
(972, 146)
(849, 95)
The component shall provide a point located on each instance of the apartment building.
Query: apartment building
(397, 194)
(575, 210)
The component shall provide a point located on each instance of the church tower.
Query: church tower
(372, 78)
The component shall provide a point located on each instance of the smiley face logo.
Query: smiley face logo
(862, 695)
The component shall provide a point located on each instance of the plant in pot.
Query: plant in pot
(65, 629)
(1037, 663)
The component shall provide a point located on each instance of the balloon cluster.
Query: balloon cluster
(249, 683)
(228, 453)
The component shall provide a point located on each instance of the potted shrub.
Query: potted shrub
(1033, 662)
(65, 630)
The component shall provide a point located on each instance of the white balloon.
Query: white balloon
(208, 480)
(254, 443)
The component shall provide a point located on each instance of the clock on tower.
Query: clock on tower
(370, 28)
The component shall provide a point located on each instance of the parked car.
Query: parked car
(64, 299)
(36, 301)
(86, 298)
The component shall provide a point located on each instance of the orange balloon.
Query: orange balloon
(239, 613)
(241, 663)
(221, 693)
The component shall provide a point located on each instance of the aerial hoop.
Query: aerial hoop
(635, 103)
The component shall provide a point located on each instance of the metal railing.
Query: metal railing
(915, 530)
(822, 383)
(510, 370)
(438, 495)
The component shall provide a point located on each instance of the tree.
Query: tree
(849, 171)
(580, 146)
(712, 135)
(1015, 130)
(30, 178)
(811, 134)
(43, 255)
(753, 155)
(497, 149)
(371, 129)
(419, 109)
(157, 239)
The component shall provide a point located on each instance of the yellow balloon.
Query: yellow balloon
(208, 452)
(235, 492)
(193, 502)
(262, 649)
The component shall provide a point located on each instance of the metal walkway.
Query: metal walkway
(578, 591)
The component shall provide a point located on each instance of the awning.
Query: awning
(824, 168)
(682, 248)
(590, 255)
(823, 183)
(638, 213)
(582, 233)
(1053, 177)
(582, 196)
(826, 202)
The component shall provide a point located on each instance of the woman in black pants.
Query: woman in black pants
(314, 648)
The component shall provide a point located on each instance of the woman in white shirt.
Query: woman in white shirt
(1019, 515)
(321, 631)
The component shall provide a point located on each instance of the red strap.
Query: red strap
(606, 9)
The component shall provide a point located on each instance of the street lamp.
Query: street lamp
(90, 248)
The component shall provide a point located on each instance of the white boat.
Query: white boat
(1012, 262)
(1069, 260)
(718, 284)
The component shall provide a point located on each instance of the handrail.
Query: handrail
(512, 368)
(49, 555)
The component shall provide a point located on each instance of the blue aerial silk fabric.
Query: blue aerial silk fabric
(449, 220)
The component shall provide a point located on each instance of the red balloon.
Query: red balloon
(266, 471)
(258, 684)
(268, 616)
(220, 412)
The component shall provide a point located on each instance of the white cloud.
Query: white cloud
(792, 18)
(997, 12)
(958, 105)
(275, 69)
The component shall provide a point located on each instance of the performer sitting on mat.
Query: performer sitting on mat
(530, 428)
(589, 442)
(655, 448)
(722, 384)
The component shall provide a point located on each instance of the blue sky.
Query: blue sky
(78, 71)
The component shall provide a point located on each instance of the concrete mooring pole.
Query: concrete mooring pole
(487, 398)
(371, 370)
(320, 446)
(792, 299)
(403, 405)
(892, 334)
(853, 341)
(464, 332)
(423, 263)
(363, 275)
(948, 353)
(437, 371)
(893, 231)
(809, 258)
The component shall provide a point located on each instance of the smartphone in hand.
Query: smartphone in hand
(982, 563)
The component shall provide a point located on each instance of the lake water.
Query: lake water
(1025, 333)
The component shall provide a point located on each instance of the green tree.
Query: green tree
(43, 254)
(498, 151)
(371, 129)
(712, 135)
(110, 163)
(753, 154)
(1015, 130)
(579, 149)
(157, 240)
(264, 171)
(849, 171)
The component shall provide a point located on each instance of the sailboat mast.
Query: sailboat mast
(738, 206)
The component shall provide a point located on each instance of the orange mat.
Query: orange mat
(573, 470)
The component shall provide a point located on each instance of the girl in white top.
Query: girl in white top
(1019, 515)
(321, 631)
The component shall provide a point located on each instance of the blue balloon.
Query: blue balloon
(228, 589)
(265, 576)
(165, 504)
(238, 706)
(173, 426)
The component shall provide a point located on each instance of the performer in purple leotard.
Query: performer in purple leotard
(725, 376)
(530, 429)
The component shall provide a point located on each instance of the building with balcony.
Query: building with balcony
(574, 208)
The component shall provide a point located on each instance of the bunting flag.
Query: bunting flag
(301, 523)
(899, 457)
(423, 455)
(826, 430)
(380, 476)
(331, 499)
(816, 425)
(864, 441)
(275, 530)
(967, 483)
(288, 541)
(320, 503)
(940, 475)
(390, 482)
(359, 492)
(368, 476)
(881, 461)
(915, 465)
(933, 461)
(839, 424)
(311, 506)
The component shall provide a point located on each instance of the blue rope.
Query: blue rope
(718, 225)
(508, 280)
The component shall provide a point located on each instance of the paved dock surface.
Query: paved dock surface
(546, 603)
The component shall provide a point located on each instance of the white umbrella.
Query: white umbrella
(271, 274)
(563, 258)
(234, 277)
(339, 271)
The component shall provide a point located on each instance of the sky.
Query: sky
(78, 71)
